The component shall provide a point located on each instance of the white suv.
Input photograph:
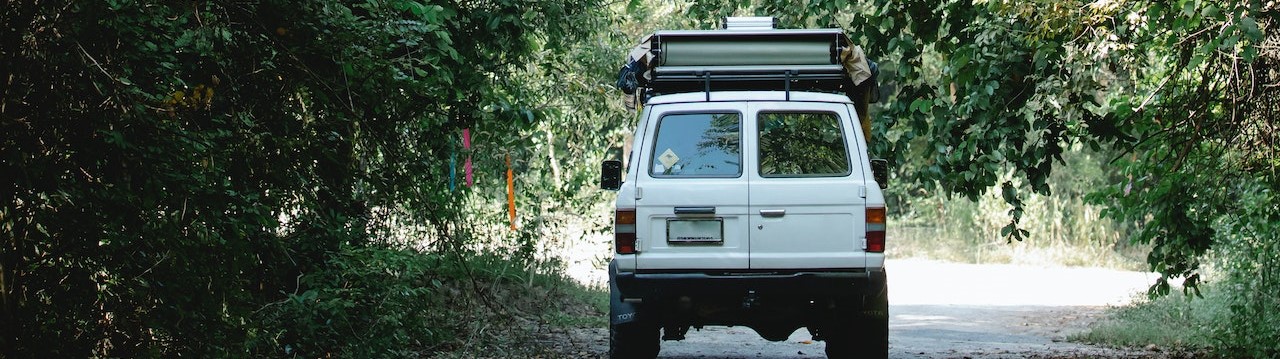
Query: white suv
(749, 198)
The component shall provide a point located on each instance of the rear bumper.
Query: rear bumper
(808, 284)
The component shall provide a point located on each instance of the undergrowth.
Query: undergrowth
(377, 302)
(1238, 315)
(1216, 324)
(1173, 322)
(1064, 231)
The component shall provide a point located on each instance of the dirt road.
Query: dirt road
(946, 310)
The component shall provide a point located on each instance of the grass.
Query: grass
(1175, 322)
(539, 308)
(1063, 231)
(1236, 317)
(449, 305)
(938, 244)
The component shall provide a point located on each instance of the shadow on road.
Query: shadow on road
(949, 310)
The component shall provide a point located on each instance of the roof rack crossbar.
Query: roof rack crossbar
(787, 83)
(718, 77)
(707, 85)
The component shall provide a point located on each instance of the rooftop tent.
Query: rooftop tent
(749, 54)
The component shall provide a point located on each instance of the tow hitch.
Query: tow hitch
(750, 300)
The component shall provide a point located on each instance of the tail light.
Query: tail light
(875, 229)
(624, 231)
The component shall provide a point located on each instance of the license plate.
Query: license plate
(695, 230)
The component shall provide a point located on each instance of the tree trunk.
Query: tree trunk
(551, 158)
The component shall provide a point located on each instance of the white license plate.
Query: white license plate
(695, 230)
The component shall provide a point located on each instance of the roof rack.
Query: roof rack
(748, 54)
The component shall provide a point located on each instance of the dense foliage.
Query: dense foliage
(1179, 91)
(174, 167)
(224, 178)
(991, 93)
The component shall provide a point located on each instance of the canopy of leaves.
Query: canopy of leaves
(991, 93)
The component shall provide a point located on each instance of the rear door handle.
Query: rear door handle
(686, 211)
(773, 213)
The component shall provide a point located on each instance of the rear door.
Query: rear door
(691, 206)
(807, 191)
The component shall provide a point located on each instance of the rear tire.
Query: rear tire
(634, 340)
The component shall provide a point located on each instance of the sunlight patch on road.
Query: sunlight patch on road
(924, 317)
(925, 282)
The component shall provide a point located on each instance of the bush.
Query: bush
(1177, 322)
(381, 302)
(367, 303)
(1236, 313)
(1249, 256)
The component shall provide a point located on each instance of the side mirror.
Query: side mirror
(880, 172)
(611, 175)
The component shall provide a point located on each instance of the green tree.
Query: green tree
(175, 167)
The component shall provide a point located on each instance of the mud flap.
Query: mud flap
(877, 285)
(619, 312)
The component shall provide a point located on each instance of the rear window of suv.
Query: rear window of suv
(802, 144)
(698, 145)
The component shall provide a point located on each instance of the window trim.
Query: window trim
(844, 142)
(657, 132)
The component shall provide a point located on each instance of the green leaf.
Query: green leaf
(416, 8)
(1196, 60)
(1250, 53)
(961, 58)
(1009, 193)
(1229, 44)
(924, 106)
(1250, 27)
(1211, 11)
